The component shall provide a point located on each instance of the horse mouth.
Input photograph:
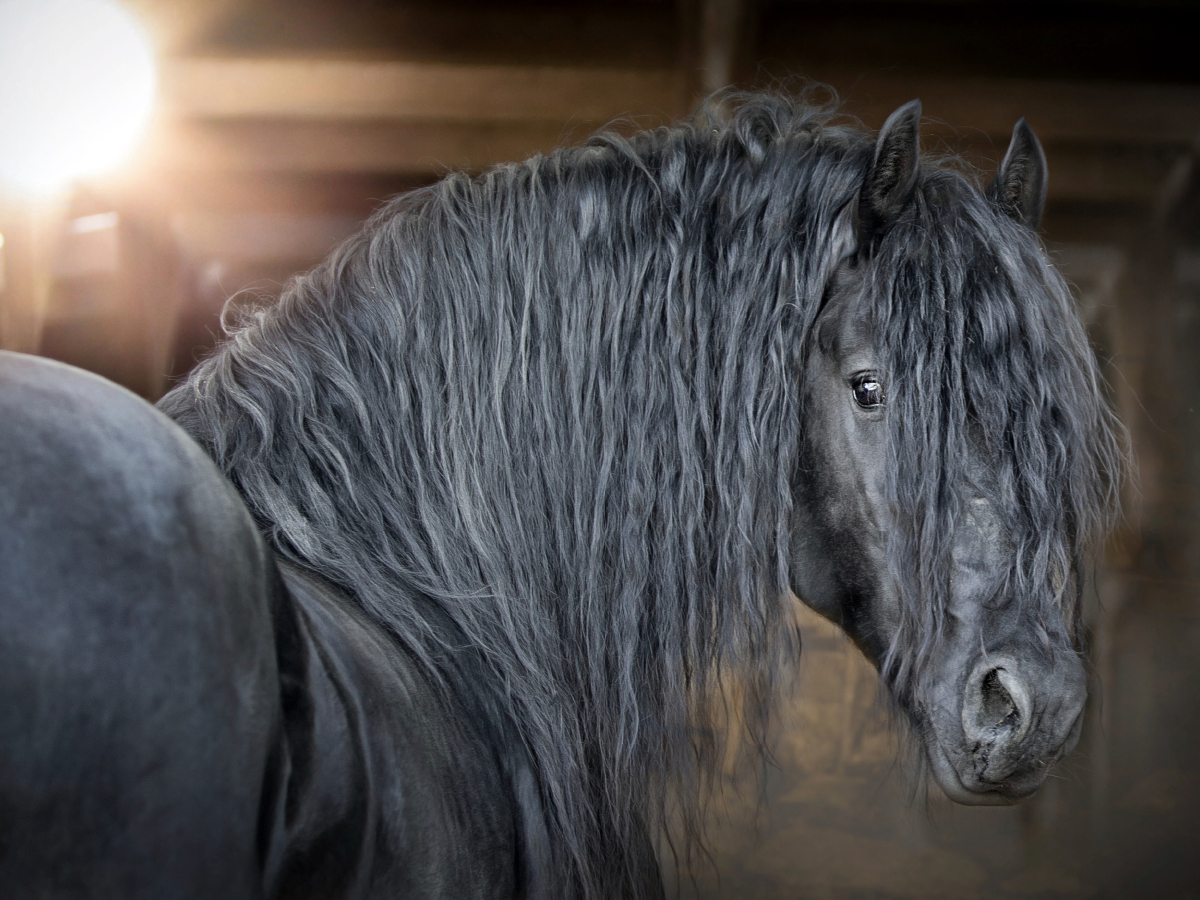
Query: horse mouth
(953, 786)
(1013, 789)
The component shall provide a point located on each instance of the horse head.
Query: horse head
(958, 461)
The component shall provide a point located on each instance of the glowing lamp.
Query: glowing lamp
(76, 87)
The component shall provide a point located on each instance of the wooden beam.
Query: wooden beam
(165, 191)
(428, 148)
(344, 90)
(260, 237)
(348, 91)
(422, 151)
(1081, 111)
(614, 34)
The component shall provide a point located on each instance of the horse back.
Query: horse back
(138, 678)
(182, 717)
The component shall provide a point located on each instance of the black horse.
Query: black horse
(507, 488)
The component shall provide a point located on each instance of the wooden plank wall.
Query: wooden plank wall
(307, 114)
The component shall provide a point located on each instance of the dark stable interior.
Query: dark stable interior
(235, 194)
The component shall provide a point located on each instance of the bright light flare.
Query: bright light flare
(76, 87)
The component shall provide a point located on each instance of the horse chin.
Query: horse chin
(952, 784)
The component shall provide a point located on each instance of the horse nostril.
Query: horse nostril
(998, 708)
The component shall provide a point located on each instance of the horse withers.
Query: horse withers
(539, 457)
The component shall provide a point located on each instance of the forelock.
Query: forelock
(986, 355)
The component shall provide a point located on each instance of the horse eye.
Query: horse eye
(868, 392)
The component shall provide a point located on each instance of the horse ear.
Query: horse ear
(1020, 185)
(893, 173)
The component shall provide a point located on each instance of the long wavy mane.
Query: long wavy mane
(559, 402)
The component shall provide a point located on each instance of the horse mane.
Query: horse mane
(558, 402)
(559, 406)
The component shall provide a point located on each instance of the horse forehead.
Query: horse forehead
(846, 327)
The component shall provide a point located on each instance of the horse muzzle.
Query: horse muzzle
(1015, 719)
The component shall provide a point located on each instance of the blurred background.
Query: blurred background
(240, 140)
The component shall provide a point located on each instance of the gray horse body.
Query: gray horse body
(138, 679)
(183, 718)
